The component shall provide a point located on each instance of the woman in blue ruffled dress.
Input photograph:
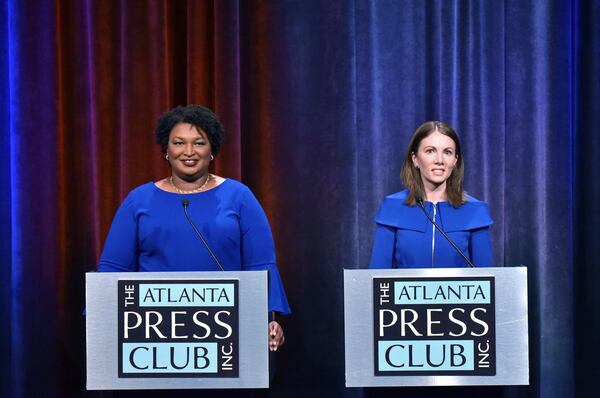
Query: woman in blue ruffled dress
(432, 173)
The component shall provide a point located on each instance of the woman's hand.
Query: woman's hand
(276, 337)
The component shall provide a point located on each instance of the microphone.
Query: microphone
(185, 203)
(422, 206)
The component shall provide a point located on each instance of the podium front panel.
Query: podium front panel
(176, 330)
(373, 361)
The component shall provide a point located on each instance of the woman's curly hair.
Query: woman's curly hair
(198, 116)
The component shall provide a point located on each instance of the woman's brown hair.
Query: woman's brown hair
(411, 176)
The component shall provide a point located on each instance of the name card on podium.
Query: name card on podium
(435, 327)
(176, 330)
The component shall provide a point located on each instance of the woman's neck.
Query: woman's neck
(189, 183)
(435, 194)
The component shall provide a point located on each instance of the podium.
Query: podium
(176, 330)
(436, 327)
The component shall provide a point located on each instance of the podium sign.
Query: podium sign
(434, 327)
(170, 330)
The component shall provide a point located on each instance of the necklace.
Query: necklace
(199, 189)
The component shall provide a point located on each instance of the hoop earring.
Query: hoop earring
(167, 156)
(212, 157)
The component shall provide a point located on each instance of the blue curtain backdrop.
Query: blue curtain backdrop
(320, 99)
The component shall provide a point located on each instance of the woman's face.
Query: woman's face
(189, 151)
(435, 158)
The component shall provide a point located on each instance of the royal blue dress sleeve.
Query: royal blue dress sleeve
(120, 252)
(258, 250)
(480, 247)
(382, 255)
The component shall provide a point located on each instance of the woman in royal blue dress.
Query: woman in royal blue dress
(432, 173)
(150, 231)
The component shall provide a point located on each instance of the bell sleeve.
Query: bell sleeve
(258, 249)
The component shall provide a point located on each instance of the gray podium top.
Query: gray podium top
(512, 362)
(102, 332)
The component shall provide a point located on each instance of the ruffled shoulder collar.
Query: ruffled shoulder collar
(394, 212)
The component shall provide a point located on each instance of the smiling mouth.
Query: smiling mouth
(190, 162)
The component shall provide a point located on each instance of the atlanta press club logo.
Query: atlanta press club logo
(434, 326)
(178, 328)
